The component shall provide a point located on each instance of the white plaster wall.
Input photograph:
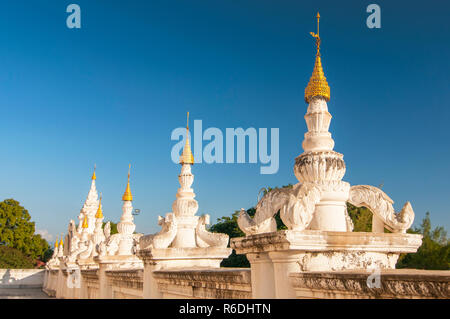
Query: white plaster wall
(21, 278)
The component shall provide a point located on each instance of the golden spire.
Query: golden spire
(187, 157)
(85, 222)
(61, 243)
(317, 85)
(99, 210)
(93, 175)
(56, 242)
(127, 195)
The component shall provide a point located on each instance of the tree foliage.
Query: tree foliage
(361, 218)
(17, 230)
(229, 226)
(113, 227)
(434, 252)
(12, 258)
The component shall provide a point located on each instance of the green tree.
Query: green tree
(17, 230)
(12, 258)
(113, 227)
(47, 255)
(361, 218)
(229, 226)
(434, 252)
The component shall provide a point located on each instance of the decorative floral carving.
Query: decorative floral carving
(354, 285)
(319, 166)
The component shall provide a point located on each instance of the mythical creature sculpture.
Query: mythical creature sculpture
(296, 205)
(298, 212)
(72, 238)
(206, 239)
(381, 206)
(267, 207)
(110, 246)
(169, 228)
(107, 230)
(83, 250)
(88, 251)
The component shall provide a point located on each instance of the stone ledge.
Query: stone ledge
(184, 253)
(314, 240)
(395, 283)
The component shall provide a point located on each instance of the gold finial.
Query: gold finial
(56, 242)
(61, 243)
(187, 157)
(317, 85)
(99, 210)
(94, 177)
(85, 222)
(127, 195)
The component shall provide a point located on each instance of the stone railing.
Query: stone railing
(90, 284)
(223, 283)
(397, 283)
(125, 284)
(232, 283)
(236, 283)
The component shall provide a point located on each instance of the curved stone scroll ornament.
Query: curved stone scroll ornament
(76, 253)
(267, 207)
(298, 212)
(110, 246)
(107, 230)
(88, 250)
(206, 239)
(164, 238)
(381, 206)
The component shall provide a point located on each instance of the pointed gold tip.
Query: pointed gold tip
(127, 196)
(318, 85)
(85, 222)
(187, 157)
(94, 177)
(56, 242)
(61, 243)
(99, 210)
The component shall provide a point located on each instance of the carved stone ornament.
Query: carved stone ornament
(381, 205)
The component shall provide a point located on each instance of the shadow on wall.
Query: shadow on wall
(21, 278)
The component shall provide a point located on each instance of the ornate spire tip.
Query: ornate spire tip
(99, 210)
(318, 85)
(187, 157)
(94, 177)
(127, 196)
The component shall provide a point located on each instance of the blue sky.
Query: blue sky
(111, 93)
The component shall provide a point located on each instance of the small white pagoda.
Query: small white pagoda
(79, 240)
(119, 250)
(183, 241)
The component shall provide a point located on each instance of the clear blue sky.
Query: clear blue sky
(112, 92)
